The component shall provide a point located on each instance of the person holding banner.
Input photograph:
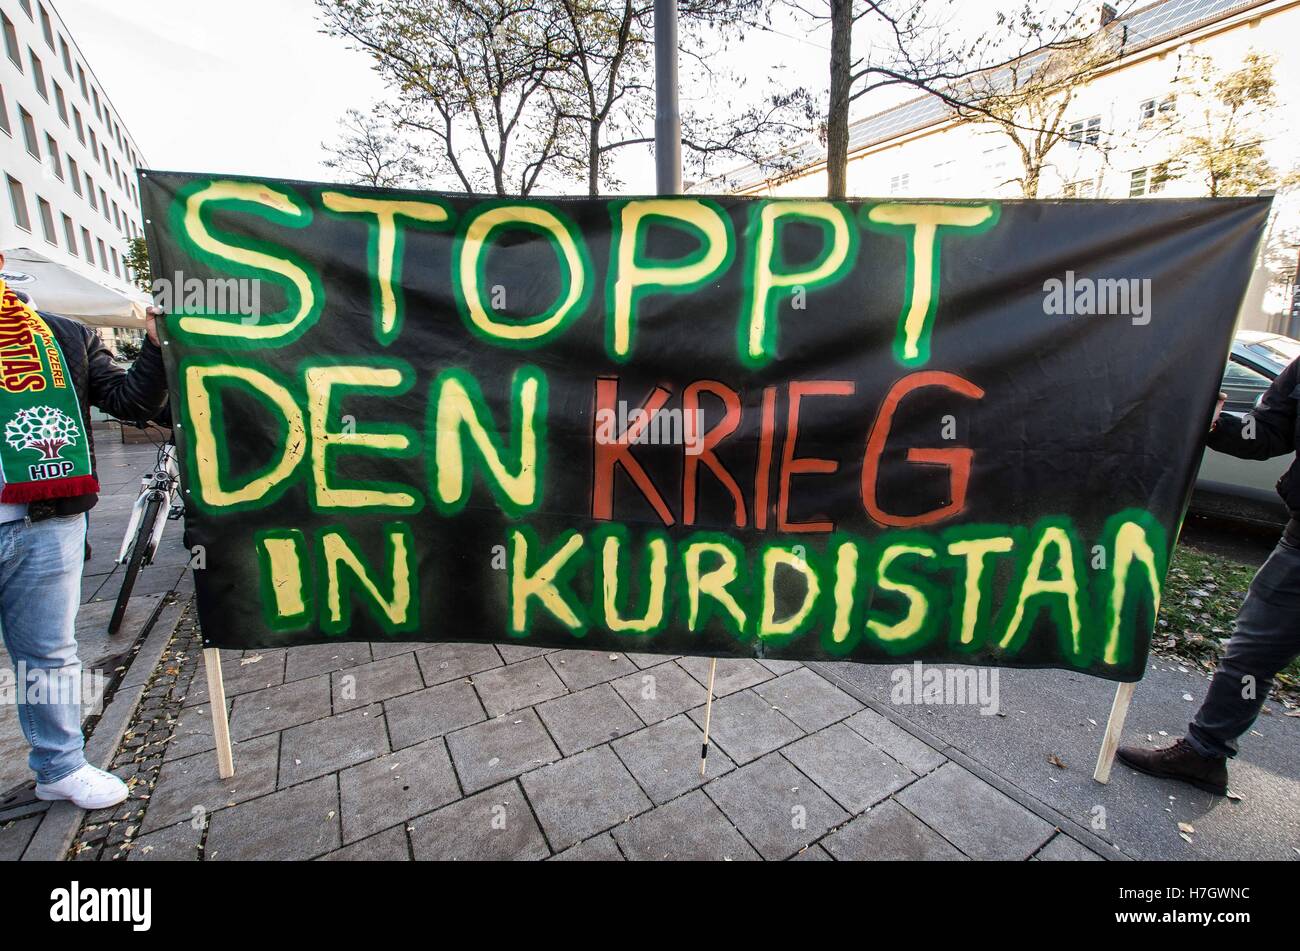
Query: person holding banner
(1266, 637)
(52, 370)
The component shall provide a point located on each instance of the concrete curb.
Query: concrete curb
(1085, 836)
(53, 837)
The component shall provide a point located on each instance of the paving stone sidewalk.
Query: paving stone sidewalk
(475, 751)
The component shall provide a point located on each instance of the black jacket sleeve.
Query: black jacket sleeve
(136, 395)
(1273, 432)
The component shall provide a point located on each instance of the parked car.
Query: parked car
(1244, 489)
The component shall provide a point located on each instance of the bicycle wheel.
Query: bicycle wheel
(134, 561)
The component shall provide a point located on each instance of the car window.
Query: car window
(1278, 350)
(1239, 374)
(1244, 386)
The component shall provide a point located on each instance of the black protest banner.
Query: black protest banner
(867, 430)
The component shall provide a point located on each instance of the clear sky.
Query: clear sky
(252, 86)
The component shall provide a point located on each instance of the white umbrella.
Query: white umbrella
(58, 289)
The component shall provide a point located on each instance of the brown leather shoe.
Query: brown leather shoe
(1181, 762)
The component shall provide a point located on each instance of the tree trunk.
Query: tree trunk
(837, 114)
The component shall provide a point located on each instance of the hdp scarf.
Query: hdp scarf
(44, 450)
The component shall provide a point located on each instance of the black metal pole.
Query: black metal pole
(668, 121)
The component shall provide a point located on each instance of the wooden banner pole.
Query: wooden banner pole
(708, 717)
(1114, 729)
(220, 722)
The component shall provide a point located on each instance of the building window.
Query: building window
(47, 221)
(74, 175)
(27, 7)
(1148, 109)
(70, 233)
(94, 146)
(61, 103)
(103, 256)
(81, 81)
(18, 201)
(103, 204)
(52, 150)
(1083, 189)
(1147, 181)
(66, 55)
(11, 42)
(117, 265)
(90, 191)
(4, 114)
(46, 28)
(1084, 132)
(86, 247)
(29, 132)
(81, 129)
(899, 183)
(99, 112)
(38, 75)
(104, 153)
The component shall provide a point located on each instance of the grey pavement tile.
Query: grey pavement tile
(973, 816)
(15, 835)
(392, 789)
(388, 846)
(583, 795)
(808, 699)
(329, 745)
(690, 828)
(494, 825)
(889, 833)
(657, 693)
(601, 848)
(176, 843)
(278, 708)
(431, 712)
(582, 669)
(491, 752)
(746, 726)
(665, 758)
(382, 650)
(378, 680)
(1062, 848)
(240, 674)
(443, 662)
(780, 667)
(852, 771)
(503, 689)
(301, 822)
(733, 674)
(582, 720)
(192, 733)
(313, 659)
(917, 756)
(649, 660)
(814, 853)
(186, 784)
(514, 653)
(776, 808)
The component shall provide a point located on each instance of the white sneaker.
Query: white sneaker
(88, 788)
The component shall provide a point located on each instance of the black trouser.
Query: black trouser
(1266, 638)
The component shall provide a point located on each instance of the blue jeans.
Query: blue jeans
(40, 589)
(1266, 639)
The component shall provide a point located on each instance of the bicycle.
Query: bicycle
(144, 531)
